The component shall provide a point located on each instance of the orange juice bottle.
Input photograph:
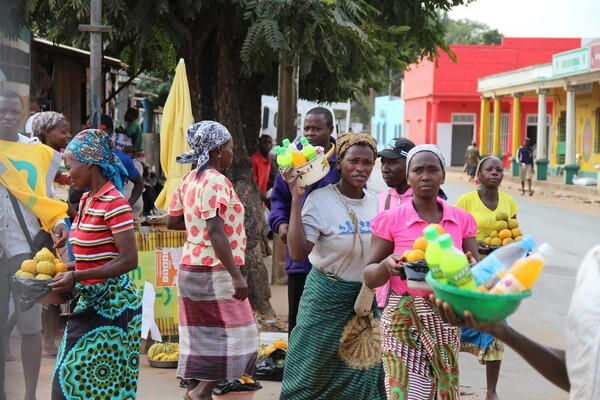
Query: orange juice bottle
(524, 272)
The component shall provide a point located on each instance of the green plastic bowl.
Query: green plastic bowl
(485, 307)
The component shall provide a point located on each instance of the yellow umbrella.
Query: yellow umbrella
(177, 117)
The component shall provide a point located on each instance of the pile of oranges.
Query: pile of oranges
(419, 246)
(506, 230)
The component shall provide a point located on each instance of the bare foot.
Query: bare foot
(492, 396)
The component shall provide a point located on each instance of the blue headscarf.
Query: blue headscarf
(94, 146)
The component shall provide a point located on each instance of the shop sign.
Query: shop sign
(571, 62)
(167, 264)
(596, 56)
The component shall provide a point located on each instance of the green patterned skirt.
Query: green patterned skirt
(99, 356)
(313, 369)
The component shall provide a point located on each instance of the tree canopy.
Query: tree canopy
(466, 31)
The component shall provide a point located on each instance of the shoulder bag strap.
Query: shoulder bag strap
(20, 218)
(388, 200)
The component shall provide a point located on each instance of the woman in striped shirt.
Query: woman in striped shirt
(99, 354)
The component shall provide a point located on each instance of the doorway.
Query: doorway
(463, 134)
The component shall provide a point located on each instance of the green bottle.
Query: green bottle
(455, 265)
(284, 157)
(433, 253)
(308, 149)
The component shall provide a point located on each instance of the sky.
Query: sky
(535, 18)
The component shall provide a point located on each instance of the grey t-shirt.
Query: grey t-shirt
(327, 224)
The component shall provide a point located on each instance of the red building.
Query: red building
(442, 105)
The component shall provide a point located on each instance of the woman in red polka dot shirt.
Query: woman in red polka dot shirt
(217, 331)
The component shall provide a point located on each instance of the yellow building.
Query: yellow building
(571, 145)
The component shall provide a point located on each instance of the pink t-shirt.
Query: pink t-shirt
(395, 199)
(402, 225)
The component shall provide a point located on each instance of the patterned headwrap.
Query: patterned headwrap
(425, 147)
(203, 137)
(93, 146)
(348, 140)
(45, 121)
(122, 141)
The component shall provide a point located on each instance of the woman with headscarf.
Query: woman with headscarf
(483, 204)
(54, 130)
(218, 336)
(420, 351)
(99, 356)
(333, 229)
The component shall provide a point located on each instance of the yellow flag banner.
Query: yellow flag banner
(27, 170)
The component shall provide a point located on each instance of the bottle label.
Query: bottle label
(462, 277)
(437, 273)
(490, 283)
(508, 285)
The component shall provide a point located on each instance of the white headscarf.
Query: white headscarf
(425, 147)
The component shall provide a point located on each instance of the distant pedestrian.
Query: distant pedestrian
(134, 131)
(261, 169)
(525, 159)
(472, 160)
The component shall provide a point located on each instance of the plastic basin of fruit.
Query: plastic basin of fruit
(162, 364)
(485, 307)
(312, 171)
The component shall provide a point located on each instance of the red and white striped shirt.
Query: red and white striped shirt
(107, 213)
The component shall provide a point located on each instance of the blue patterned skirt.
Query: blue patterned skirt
(99, 356)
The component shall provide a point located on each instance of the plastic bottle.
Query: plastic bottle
(298, 158)
(501, 259)
(524, 272)
(455, 265)
(433, 253)
(284, 157)
(308, 149)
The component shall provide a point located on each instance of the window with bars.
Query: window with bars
(504, 124)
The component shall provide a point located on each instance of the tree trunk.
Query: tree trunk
(220, 93)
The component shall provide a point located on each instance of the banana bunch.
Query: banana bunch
(164, 352)
(246, 379)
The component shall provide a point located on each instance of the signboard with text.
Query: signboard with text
(571, 62)
(596, 56)
(167, 264)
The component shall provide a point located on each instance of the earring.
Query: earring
(219, 155)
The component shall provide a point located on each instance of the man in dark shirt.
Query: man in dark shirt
(525, 158)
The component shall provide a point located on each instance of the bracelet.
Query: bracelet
(73, 275)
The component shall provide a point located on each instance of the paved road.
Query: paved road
(541, 316)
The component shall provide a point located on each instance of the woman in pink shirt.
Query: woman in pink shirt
(420, 351)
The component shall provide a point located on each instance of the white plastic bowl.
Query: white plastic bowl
(312, 171)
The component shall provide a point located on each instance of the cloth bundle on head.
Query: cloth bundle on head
(122, 141)
(93, 146)
(425, 147)
(348, 140)
(45, 121)
(203, 137)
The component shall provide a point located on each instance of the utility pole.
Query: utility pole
(96, 29)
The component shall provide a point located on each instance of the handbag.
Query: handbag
(41, 240)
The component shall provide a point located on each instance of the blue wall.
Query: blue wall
(386, 124)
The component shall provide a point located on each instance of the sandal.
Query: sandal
(531, 192)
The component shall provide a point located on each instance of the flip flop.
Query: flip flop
(531, 192)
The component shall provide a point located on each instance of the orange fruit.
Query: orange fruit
(513, 223)
(507, 241)
(494, 234)
(516, 232)
(405, 254)
(439, 228)
(29, 266)
(415, 255)
(496, 242)
(60, 267)
(420, 243)
(518, 238)
(487, 240)
(505, 233)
